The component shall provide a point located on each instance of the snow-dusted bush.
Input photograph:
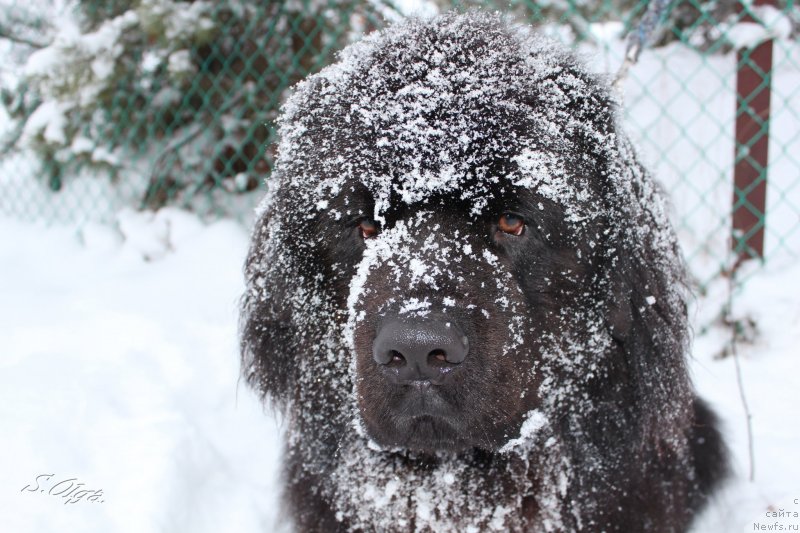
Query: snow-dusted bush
(171, 98)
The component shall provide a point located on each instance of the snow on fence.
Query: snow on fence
(150, 103)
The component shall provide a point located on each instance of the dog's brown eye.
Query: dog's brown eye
(368, 228)
(511, 224)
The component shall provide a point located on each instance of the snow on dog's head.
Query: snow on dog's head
(457, 251)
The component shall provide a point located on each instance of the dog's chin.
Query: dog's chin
(425, 434)
(428, 419)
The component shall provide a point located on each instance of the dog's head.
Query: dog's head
(459, 246)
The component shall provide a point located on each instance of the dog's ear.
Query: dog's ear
(647, 311)
(619, 317)
(268, 333)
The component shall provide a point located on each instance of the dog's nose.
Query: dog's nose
(420, 349)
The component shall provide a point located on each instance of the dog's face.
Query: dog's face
(451, 312)
(457, 248)
(449, 250)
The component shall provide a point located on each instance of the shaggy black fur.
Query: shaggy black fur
(572, 410)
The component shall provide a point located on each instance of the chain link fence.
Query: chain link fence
(108, 104)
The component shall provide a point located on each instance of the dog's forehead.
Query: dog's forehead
(447, 111)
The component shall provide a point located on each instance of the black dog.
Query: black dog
(464, 294)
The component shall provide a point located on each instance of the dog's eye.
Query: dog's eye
(511, 224)
(368, 228)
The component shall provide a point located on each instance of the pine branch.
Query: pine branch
(9, 143)
(192, 132)
(6, 33)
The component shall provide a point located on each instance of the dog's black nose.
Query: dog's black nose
(419, 349)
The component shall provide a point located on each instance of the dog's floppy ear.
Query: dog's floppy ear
(646, 299)
(268, 332)
(619, 317)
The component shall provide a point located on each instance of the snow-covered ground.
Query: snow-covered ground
(119, 372)
(770, 370)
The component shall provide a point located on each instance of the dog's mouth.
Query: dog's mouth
(422, 399)
(429, 433)
(421, 417)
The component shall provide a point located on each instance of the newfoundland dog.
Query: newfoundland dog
(465, 297)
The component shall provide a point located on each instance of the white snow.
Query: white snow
(48, 121)
(180, 62)
(120, 370)
(533, 423)
(770, 23)
(771, 377)
(65, 61)
(419, 8)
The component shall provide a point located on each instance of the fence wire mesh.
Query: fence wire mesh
(108, 104)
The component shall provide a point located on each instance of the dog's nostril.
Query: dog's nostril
(396, 359)
(437, 358)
